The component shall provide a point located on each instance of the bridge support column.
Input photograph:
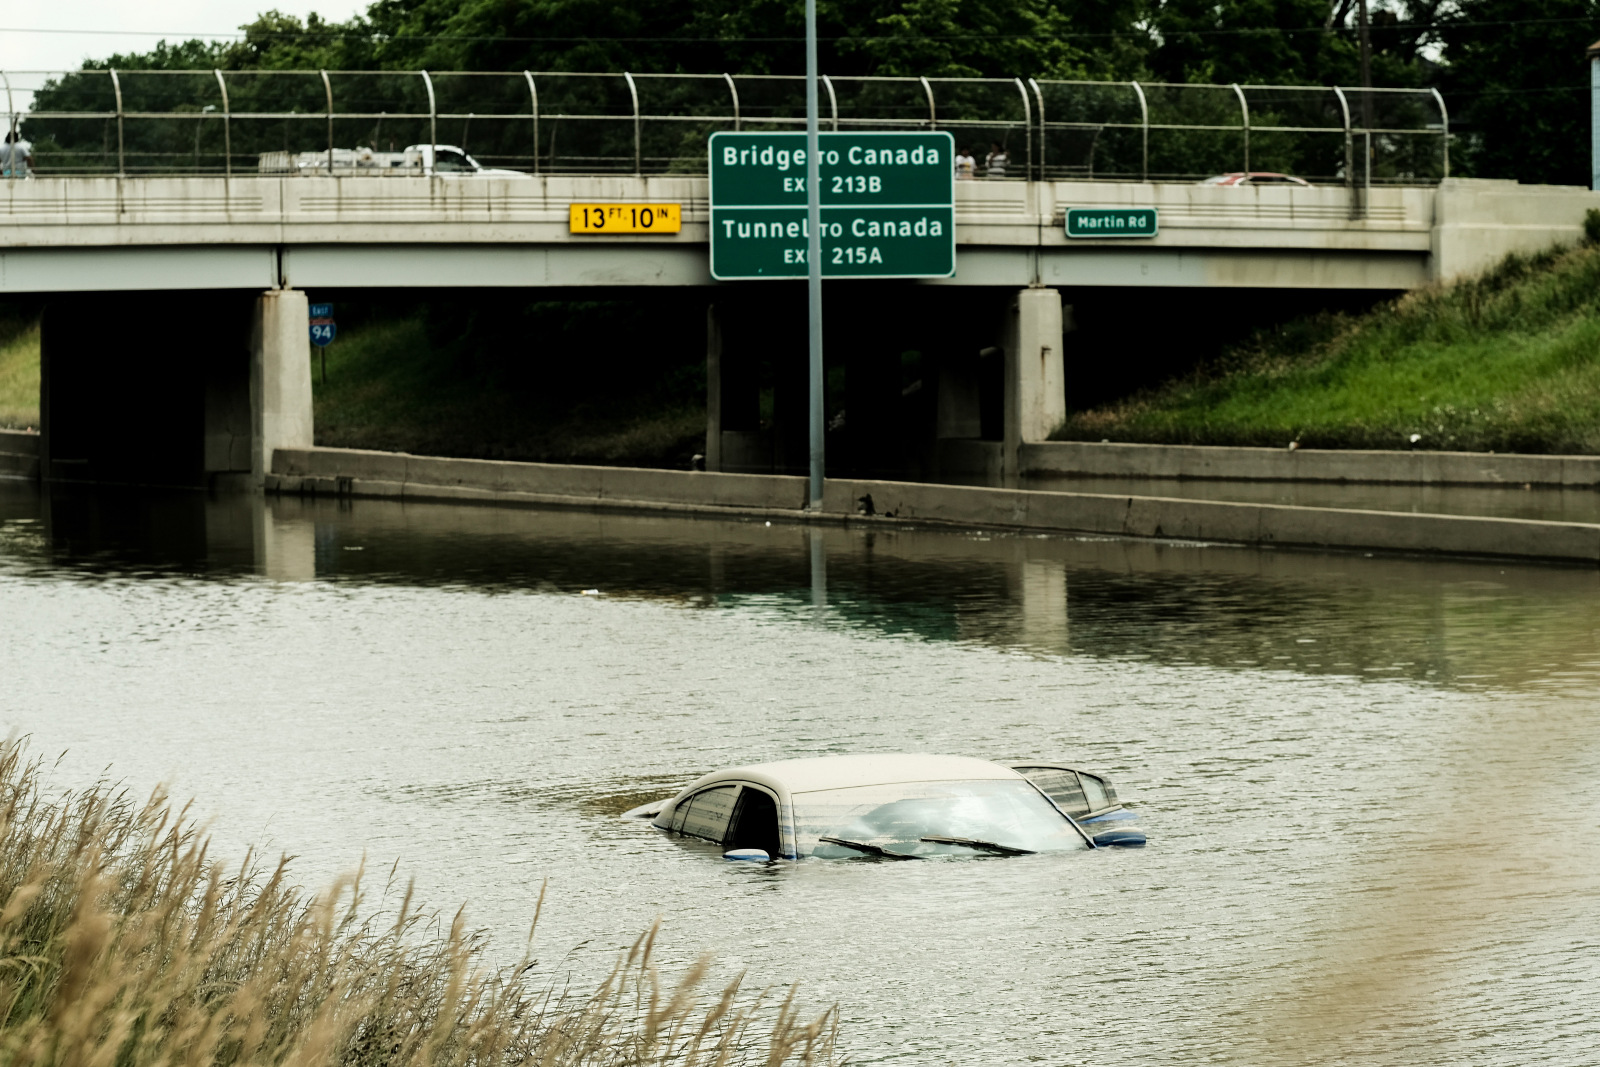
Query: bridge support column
(713, 389)
(280, 378)
(1035, 392)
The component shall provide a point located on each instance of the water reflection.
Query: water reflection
(1439, 621)
(1325, 749)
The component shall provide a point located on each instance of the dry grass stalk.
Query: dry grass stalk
(123, 944)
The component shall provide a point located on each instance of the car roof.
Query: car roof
(841, 772)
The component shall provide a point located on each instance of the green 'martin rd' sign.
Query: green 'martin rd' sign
(1111, 222)
(888, 205)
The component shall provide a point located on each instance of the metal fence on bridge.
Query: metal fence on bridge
(150, 122)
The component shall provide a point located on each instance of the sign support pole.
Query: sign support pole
(814, 258)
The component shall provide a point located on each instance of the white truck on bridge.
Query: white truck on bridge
(416, 160)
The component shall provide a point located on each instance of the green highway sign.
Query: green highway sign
(1111, 222)
(888, 205)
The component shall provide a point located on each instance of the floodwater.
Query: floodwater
(1370, 783)
(1549, 503)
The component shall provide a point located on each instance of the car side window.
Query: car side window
(1061, 785)
(447, 160)
(755, 823)
(706, 814)
(1098, 791)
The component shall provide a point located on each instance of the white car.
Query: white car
(896, 807)
(1256, 177)
(445, 161)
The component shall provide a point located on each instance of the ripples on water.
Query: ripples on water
(1369, 782)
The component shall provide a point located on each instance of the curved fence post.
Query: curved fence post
(638, 156)
(116, 87)
(1349, 154)
(533, 95)
(1244, 115)
(1144, 132)
(1027, 121)
(11, 122)
(1444, 124)
(1038, 95)
(733, 91)
(933, 115)
(433, 126)
(327, 87)
(227, 127)
(833, 101)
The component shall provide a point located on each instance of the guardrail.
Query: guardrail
(141, 122)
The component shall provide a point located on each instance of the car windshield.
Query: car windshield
(897, 817)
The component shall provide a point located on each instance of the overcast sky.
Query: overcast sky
(101, 27)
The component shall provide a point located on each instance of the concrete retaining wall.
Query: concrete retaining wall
(19, 454)
(1085, 458)
(1210, 520)
(396, 474)
(384, 474)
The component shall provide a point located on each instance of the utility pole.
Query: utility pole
(814, 257)
(1593, 55)
(1366, 107)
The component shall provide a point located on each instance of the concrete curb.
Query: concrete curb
(1108, 460)
(399, 476)
(19, 454)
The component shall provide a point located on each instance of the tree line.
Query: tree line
(1512, 71)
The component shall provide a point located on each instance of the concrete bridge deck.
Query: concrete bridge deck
(107, 234)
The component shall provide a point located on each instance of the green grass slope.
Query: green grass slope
(19, 372)
(1506, 362)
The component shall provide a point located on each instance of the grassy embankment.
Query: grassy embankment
(19, 372)
(1506, 362)
(123, 943)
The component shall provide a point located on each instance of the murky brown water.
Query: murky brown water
(1370, 784)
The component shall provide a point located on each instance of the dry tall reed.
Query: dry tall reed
(123, 944)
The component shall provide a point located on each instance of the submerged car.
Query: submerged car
(897, 807)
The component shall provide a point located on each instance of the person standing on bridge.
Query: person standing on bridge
(966, 165)
(16, 156)
(995, 165)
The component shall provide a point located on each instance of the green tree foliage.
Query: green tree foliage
(1512, 71)
(1517, 82)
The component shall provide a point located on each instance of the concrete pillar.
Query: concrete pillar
(745, 447)
(1036, 398)
(713, 390)
(228, 429)
(280, 377)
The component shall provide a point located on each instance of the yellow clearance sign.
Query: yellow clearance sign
(624, 218)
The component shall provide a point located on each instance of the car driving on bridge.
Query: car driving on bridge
(444, 160)
(1255, 177)
(896, 807)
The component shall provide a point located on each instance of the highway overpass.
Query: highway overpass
(103, 234)
(175, 344)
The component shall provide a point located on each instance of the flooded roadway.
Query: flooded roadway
(1369, 783)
